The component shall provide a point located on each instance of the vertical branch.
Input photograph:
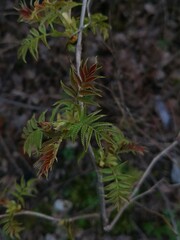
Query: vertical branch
(79, 41)
(100, 188)
(85, 6)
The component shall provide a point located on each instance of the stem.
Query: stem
(127, 204)
(151, 165)
(85, 5)
(100, 188)
(79, 41)
(52, 219)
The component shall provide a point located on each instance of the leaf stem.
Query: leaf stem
(85, 5)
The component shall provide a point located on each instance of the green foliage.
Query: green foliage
(31, 42)
(24, 189)
(33, 135)
(87, 126)
(49, 16)
(118, 185)
(48, 154)
(72, 118)
(70, 121)
(99, 24)
(11, 226)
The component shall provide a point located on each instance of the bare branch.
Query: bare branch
(127, 204)
(53, 219)
(151, 165)
(79, 41)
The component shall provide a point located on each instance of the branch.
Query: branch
(79, 41)
(151, 165)
(127, 204)
(100, 187)
(53, 219)
(144, 176)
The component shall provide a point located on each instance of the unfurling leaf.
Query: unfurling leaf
(48, 154)
(88, 74)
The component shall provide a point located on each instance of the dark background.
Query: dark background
(141, 95)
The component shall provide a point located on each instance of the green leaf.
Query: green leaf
(33, 135)
(99, 23)
(34, 32)
(88, 101)
(31, 42)
(42, 117)
(24, 189)
(13, 228)
(118, 185)
(68, 90)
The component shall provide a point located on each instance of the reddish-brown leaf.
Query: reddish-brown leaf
(85, 68)
(75, 80)
(25, 12)
(132, 147)
(90, 79)
(86, 92)
(88, 74)
(82, 74)
(4, 201)
(93, 68)
(87, 85)
(48, 154)
(46, 126)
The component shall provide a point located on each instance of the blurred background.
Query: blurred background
(141, 95)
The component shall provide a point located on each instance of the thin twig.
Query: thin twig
(127, 204)
(79, 41)
(88, 10)
(144, 176)
(151, 165)
(53, 219)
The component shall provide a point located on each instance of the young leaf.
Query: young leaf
(70, 91)
(118, 185)
(48, 154)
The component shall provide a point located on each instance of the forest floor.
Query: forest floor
(141, 95)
